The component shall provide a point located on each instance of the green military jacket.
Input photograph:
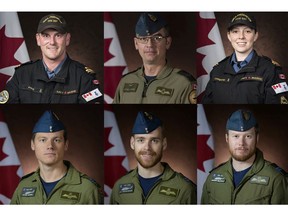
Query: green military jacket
(171, 188)
(74, 188)
(171, 86)
(262, 184)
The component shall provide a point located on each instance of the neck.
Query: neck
(52, 173)
(242, 165)
(53, 63)
(150, 172)
(153, 69)
(242, 56)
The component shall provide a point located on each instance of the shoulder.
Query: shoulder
(186, 180)
(275, 168)
(90, 180)
(218, 168)
(187, 75)
(27, 177)
(131, 73)
(27, 64)
(270, 61)
(82, 67)
(221, 62)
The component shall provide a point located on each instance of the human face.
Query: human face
(49, 148)
(153, 53)
(148, 148)
(53, 44)
(242, 145)
(242, 39)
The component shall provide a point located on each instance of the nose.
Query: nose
(50, 144)
(52, 40)
(241, 34)
(147, 145)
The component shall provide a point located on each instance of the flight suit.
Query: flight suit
(172, 85)
(262, 184)
(171, 188)
(259, 82)
(74, 188)
(74, 83)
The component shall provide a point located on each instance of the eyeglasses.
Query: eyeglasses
(155, 39)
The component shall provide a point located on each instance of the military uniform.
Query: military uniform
(171, 188)
(171, 86)
(73, 188)
(73, 84)
(259, 82)
(263, 184)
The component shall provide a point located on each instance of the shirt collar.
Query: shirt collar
(56, 70)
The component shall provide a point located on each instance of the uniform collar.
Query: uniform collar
(238, 66)
(53, 73)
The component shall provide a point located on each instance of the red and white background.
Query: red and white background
(209, 48)
(13, 49)
(10, 167)
(205, 149)
(115, 158)
(114, 62)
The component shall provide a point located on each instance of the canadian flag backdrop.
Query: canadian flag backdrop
(205, 150)
(13, 49)
(10, 167)
(115, 158)
(114, 62)
(209, 48)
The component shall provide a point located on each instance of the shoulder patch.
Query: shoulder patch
(279, 169)
(187, 75)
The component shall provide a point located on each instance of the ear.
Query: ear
(168, 42)
(68, 38)
(256, 36)
(135, 43)
(38, 38)
(228, 36)
(164, 143)
(226, 137)
(66, 145)
(132, 142)
(32, 145)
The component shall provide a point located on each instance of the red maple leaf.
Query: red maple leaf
(9, 180)
(113, 164)
(107, 54)
(204, 152)
(113, 76)
(2, 154)
(8, 48)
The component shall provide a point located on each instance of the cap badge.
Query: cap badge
(152, 17)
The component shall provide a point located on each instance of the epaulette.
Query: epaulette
(217, 167)
(26, 63)
(28, 175)
(91, 180)
(131, 72)
(185, 178)
(272, 61)
(187, 75)
(221, 61)
(279, 169)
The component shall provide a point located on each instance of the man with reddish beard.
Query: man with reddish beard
(245, 77)
(55, 78)
(153, 181)
(56, 181)
(247, 178)
(156, 82)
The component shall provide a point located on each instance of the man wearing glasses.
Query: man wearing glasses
(155, 81)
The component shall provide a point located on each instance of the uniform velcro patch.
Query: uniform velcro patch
(126, 188)
(264, 180)
(168, 191)
(70, 195)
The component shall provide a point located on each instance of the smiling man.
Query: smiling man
(153, 181)
(156, 82)
(55, 78)
(247, 178)
(245, 77)
(56, 181)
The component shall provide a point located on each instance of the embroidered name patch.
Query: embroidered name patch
(264, 180)
(164, 91)
(218, 178)
(92, 95)
(66, 92)
(126, 188)
(280, 87)
(130, 87)
(167, 191)
(252, 78)
(70, 195)
(28, 192)
(221, 79)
